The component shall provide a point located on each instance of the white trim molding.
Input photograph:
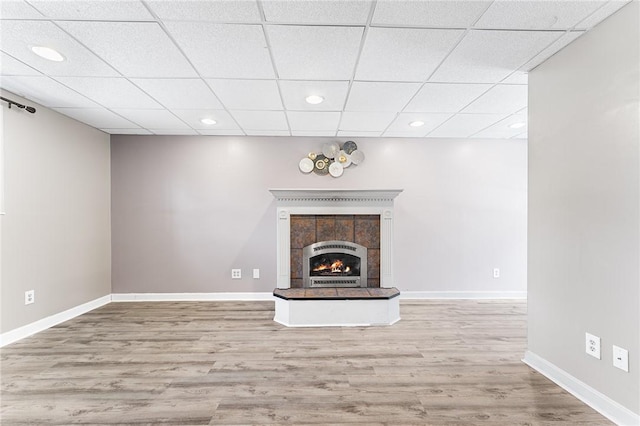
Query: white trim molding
(193, 297)
(51, 321)
(475, 295)
(585, 393)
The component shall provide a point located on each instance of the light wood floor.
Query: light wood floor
(445, 362)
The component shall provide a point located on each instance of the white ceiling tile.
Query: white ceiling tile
(322, 53)
(221, 132)
(152, 118)
(18, 9)
(366, 121)
(192, 117)
(126, 131)
(268, 133)
(96, 117)
(313, 120)
(401, 124)
(552, 50)
(518, 77)
(490, 56)
(261, 120)
(403, 54)
(313, 133)
(375, 96)
(176, 132)
(224, 51)
(124, 10)
(110, 92)
(180, 93)
(247, 94)
(443, 97)
(45, 91)
(17, 36)
(502, 98)
(599, 15)
(432, 14)
(133, 48)
(317, 12)
(11, 66)
(350, 134)
(465, 125)
(294, 94)
(501, 129)
(536, 15)
(240, 11)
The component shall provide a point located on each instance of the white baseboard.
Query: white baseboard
(585, 393)
(480, 295)
(53, 320)
(194, 297)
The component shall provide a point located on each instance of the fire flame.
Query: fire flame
(336, 267)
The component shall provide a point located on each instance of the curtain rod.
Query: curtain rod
(30, 109)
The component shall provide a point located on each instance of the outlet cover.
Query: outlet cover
(621, 358)
(29, 297)
(496, 272)
(236, 274)
(592, 345)
(256, 274)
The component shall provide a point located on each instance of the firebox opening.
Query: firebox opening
(334, 264)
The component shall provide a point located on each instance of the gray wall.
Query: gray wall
(584, 199)
(56, 232)
(186, 210)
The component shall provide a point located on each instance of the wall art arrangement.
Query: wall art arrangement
(333, 159)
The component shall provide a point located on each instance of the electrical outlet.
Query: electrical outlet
(29, 297)
(236, 274)
(256, 274)
(592, 346)
(496, 272)
(621, 358)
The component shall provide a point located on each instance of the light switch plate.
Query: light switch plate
(621, 358)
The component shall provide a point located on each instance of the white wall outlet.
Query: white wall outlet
(592, 346)
(496, 272)
(621, 358)
(29, 297)
(256, 274)
(236, 274)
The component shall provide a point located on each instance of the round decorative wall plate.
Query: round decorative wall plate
(357, 157)
(336, 169)
(306, 165)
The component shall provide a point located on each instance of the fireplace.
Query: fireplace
(334, 264)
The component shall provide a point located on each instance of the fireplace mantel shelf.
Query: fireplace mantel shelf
(283, 194)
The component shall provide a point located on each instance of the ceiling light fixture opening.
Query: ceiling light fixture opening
(517, 125)
(416, 123)
(314, 99)
(47, 53)
(208, 121)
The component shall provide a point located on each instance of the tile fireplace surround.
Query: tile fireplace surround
(365, 203)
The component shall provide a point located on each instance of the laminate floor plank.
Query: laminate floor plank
(453, 362)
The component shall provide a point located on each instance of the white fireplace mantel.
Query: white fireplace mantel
(334, 202)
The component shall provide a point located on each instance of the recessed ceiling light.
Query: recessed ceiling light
(314, 99)
(517, 125)
(417, 123)
(47, 53)
(208, 121)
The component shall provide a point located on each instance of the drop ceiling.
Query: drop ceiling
(160, 66)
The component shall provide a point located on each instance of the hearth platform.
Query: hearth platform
(336, 307)
(335, 293)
